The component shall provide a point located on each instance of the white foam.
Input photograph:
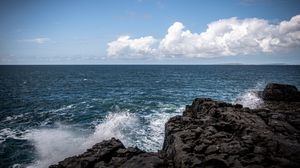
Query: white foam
(10, 133)
(67, 107)
(10, 118)
(115, 125)
(63, 108)
(152, 139)
(54, 144)
(17, 166)
(155, 137)
(250, 99)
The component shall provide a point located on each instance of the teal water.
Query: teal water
(51, 112)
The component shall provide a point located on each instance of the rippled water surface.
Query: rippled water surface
(51, 112)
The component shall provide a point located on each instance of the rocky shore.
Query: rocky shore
(215, 134)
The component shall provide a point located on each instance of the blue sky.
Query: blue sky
(136, 32)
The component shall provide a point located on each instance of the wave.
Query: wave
(145, 131)
(115, 125)
(250, 98)
(7, 133)
(63, 108)
(156, 132)
(52, 145)
(14, 117)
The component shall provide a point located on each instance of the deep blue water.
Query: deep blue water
(51, 112)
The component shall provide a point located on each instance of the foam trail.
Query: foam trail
(156, 133)
(10, 133)
(151, 136)
(10, 118)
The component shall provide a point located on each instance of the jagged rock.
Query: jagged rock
(217, 134)
(280, 92)
(214, 134)
(112, 153)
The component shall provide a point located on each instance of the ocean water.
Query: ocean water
(48, 113)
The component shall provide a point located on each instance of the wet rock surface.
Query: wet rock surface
(112, 153)
(212, 134)
(218, 134)
(280, 92)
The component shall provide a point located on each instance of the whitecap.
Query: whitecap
(10, 133)
(63, 108)
(10, 118)
(17, 165)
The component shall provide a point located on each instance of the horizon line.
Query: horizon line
(230, 64)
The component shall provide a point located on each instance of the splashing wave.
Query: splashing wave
(54, 144)
(250, 98)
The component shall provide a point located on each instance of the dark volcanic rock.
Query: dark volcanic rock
(112, 153)
(218, 134)
(280, 92)
(214, 134)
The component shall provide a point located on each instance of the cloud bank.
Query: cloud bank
(36, 40)
(132, 47)
(225, 37)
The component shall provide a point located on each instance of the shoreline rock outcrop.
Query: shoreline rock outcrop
(215, 134)
(280, 92)
(112, 153)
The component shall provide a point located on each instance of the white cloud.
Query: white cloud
(225, 37)
(36, 40)
(131, 47)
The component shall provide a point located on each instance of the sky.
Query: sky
(149, 32)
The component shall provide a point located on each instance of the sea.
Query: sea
(48, 113)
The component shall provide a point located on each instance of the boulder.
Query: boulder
(280, 92)
(112, 153)
(218, 134)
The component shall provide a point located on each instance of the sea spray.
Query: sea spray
(115, 125)
(150, 93)
(250, 97)
(53, 144)
(152, 139)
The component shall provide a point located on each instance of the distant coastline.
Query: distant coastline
(229, 64)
